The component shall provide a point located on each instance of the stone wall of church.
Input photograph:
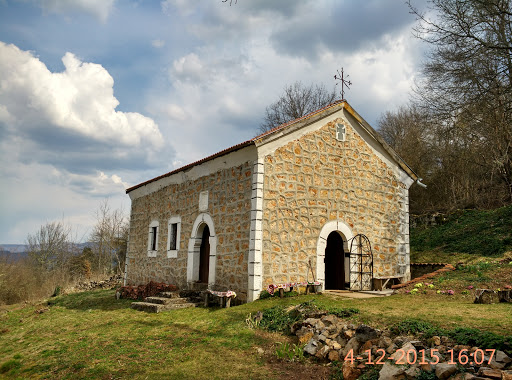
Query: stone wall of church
(229, 205)
(316, 179)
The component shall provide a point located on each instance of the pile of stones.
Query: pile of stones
(140, 292)
(363, 348)
(108, 283)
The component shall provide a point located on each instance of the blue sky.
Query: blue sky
(99, 95)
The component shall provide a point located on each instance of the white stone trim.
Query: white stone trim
(194, 245)
(152, 252)
(173, 253)
(333, 225)
(203, 201)
(255, 267)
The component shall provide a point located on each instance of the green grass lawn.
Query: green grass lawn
(93, 335)
(467, 235)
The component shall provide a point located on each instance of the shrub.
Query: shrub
(286, 351)
(461, 335)
(484, 339)
(415, 326)
(278, 319)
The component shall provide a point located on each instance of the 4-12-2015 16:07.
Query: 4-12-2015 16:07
(411, 356)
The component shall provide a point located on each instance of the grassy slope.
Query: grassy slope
(467, 236)
(93, 335)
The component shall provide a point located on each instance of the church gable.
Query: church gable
(331, 173)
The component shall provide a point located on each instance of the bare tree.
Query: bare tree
(296, 101)
(467, 79)
(446, 156)
(110, 238)
(51, 247)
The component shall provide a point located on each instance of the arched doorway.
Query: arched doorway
(334, 262)
(202, 251)
(345, 234)
(204, 255)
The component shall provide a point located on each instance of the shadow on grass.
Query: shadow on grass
(91, 300)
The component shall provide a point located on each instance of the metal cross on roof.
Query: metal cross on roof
(344, 82)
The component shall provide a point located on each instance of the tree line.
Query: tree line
(55, 258)
(456, 131)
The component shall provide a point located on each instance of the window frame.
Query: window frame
(154, 231)
(173, 253)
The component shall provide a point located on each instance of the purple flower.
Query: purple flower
(470, 287)
(450, 292)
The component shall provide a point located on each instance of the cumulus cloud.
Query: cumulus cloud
(345, 26)
(80, 99)
(98, 184)
(97, 8)
(189, 67)
(38, 193)
(72, 112)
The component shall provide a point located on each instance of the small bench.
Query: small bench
(380, 283)
(310, 287)
(224, 298)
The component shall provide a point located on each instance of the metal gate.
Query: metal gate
(361, 263)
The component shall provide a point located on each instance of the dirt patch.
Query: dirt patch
(283, 369)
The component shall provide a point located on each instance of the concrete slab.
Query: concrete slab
(361, 294)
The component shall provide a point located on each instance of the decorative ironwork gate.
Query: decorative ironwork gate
(361, 263)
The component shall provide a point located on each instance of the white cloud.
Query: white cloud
(189, 67)
(176, 112)
(158, 43)
(97, 8)
(38, 193)
(98, 184)
(79, 100)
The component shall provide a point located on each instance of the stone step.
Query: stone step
(160, 300)
(175, 294)
(148, 307)
(178, 301)
(183, 305)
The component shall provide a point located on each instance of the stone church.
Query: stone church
(321, 198)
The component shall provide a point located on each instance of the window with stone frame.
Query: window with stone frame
(153, 238)
(173, 236)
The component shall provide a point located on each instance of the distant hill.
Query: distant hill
(13, 248)
(20, 250)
